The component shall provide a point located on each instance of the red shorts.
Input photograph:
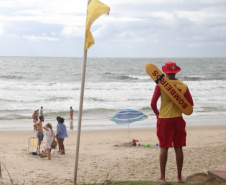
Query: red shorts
(171, 132)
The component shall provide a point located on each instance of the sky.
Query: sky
(141, 28)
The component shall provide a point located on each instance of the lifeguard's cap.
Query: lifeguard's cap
(171, 67)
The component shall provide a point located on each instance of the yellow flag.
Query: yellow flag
(95, 10)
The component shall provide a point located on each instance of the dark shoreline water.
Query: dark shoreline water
(192, 121)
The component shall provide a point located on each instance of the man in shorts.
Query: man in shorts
(40, 135)
(170, 123)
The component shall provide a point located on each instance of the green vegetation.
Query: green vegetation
(196, 179)
(143, 183)
(208, 182)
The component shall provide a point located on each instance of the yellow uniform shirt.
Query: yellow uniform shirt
(168, 108)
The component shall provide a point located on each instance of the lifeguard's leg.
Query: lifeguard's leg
(163, 159)
(179, 160)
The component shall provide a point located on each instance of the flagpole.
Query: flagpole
(86, 46)
(80, 115)
(80, 111)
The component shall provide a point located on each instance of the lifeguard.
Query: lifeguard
(170, 123)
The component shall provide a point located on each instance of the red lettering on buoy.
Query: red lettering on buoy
(172, 92)
(184, 106)
(163, 81)
(181, 101)
(157, 77)
(166, 85)
(177, 97)
(169, 88)
(155, 73)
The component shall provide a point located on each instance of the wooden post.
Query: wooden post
(0, 171)
(80, 116)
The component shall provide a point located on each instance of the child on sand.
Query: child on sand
(49, 137)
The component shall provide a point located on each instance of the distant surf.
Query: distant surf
(112, 84)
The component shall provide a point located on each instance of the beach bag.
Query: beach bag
(54, 144)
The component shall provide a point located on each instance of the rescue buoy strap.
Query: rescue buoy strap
(159, 79)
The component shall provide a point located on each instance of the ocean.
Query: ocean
(112, 84)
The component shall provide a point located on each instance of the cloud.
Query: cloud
(73, 31)
(68, 12)
(40, 38)
(1, 30)
(137, 26)
(59, 6)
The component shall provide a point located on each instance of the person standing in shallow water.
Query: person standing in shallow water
(61, 134)
(71, 113)
(35, 119)
(170, 123)
(37, 113)
(41, 112)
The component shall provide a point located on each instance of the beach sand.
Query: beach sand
(104, 152)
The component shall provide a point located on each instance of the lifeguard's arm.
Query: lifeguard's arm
(188, 96)
(154, 99)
